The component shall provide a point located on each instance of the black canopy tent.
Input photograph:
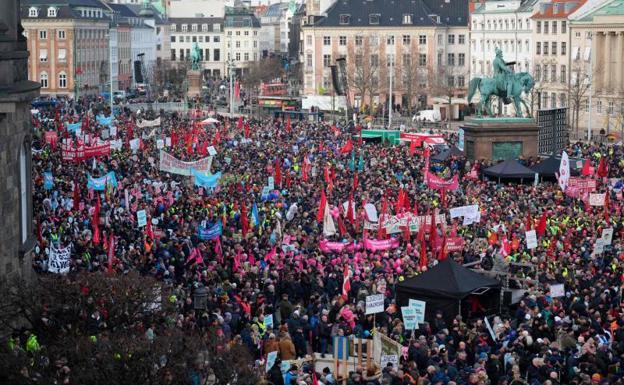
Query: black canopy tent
(445, 286)
(548, 167)
(444, 155)
(509, 169)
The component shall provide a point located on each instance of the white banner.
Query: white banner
(171, 164)
(464, 211)
(597, 199)
(531, 239)
(149, 123)
(607, 235)
(59, 260)
(564, 171)
(374, 304)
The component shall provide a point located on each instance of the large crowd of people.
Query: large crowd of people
(262, 255)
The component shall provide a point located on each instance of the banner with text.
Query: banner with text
(173, 165)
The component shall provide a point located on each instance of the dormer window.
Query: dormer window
(407, 18)
(345, 19)
(373, 18)
(194, 27)
(33, 12)
(184, 27)
(204, 27)
(216, 27)
(172, 28)
(51, 12)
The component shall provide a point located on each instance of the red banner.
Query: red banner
(454, 244)
(82, 152)
(51, 137)
(435, 182)
(582, 184)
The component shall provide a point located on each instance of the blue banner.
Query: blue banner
(210, 181)
(104, 121)
(210, 233)
(48, 180)
(99, 184)
(73, 127)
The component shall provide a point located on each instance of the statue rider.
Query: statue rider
(503, 74)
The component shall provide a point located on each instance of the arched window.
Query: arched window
(24, 180)
(43, 79)
(62, 80)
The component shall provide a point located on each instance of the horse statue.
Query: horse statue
(195, 57)
(520, 82)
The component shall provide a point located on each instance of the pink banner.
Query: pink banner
(337, 247)
(435, 182)
(51, 137)
(455, 244)
(377, 245)
(82, 152)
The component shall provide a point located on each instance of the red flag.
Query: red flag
(341, 226)
(247, 129)
(321, 210)
(505, 247)
(148, 229)
(237, 89)
(239, 123)
(288, 124)
(174, 138)
(96, 234)
(355, 181)
(96, 211)
(347, 147)
(400, 201)
(443, 250)
(529, 222)
(304, 168)
(433, 231)
(76, 205)
(326, 173)
(381, 231)
(278, 173)
(217, 138)
(111, 253)
(586, 168)
(541, 227)
(412, 149)
(314, 379)
(346, 284)
(350, 216)
(244, 219)
(423, 247)
(603, 169)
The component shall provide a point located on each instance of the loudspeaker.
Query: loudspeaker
(336, 80)
(138, 74)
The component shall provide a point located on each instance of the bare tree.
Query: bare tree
(413, 78)
(262, 71)
(363, 74)
(578, 89)
(445, 83)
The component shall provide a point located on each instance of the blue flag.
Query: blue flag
(210, 233)
(48, 180)
(99, 184)
(73, 127)
(254, 215)
(210, 181)
(104, 121)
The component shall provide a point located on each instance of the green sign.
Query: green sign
(506, 150)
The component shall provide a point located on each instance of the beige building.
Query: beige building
(551, 53)
(425, 51)
(242, 38)
(597, 65)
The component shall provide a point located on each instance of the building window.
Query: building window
(422, 59)
(546, 27)
(407, 18)
(461, 59)
(538, 72)
(43, 34)
(62, 55)
(216, 28)
(204, 27)
(62, 80)
(461, 39)
(373, 18)
(390, 60)
(246, 56)
(390, 40)
(563, 48)
(451, 39)
(326, 40)
(43, 79)
(461, 81)
(309, 40)
(422, 39)
(345, 19)
(188, 38)
(216, 54)
(326, 60)
(545, 48)
(237, 44)
(407, 60)
(358, 40)
(207, 54)
(407, 39)
(554, 27)
(553, 73)
(439, 58)
(564, 74)
(450, 59)
(43, 55)
(182, 54)
(33, 12)
(238, 56)
(610, 107)
(538, 48)
(599, 106)
(562, 100)
(61, 34)
(342, 40)
(172, 28)
(309, 60)
(564, 26)
(215, 39)
(51, 12)
(544, 100)
(374, 60)
(373, 40)
(539, 26)
(194, 39)
(553, 100)
(450, 81)
(553, 47)
(184, 28)
(173, 55)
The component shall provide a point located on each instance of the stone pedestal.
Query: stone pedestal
(194, 84)
(500, 138)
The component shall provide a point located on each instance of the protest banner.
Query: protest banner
(374, 304)
(454, 244)
(557, 290)
(271, 358)
(337, 247)
(99, 184)
(607, 235)
(82, 152)
(389, 359)
(396, 223)
(464, 211)
(58, 261)
(212, 151)
(103, 120)
(588, 185)
(596, 199)
(531, 239)
(148, 123)
(437, 183)
(206, 181)
(172, 165)
(210, 233)
(419, 307)
(48, 180)
(51, 137)
(268, 321)
(141, 218)
(409, 317)
(380, 245)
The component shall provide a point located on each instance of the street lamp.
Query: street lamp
(591, 75)
(230, 64)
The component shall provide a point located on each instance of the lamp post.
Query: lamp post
(591, 88)
(230, 64)
(390, 93)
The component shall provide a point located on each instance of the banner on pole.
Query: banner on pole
(58, 261)
(374, 304)
(172, 165)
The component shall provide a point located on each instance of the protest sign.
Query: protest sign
(607, 235)
(437, 183)
(58, 261)
(557, 290)
(210, 233)
(141, 218)
(148, 123)
(374, 304)
(170, 164)
(48, 180)
(268, 321)
(464, 211)
(419, 307)
(212, 151)
(489, 328)
(454, 244)
(409, 317)
(160, 144)
(389, 358)
(271, 358)
(531, 239)
(135, 144)
(596, 199)
(99, 184)
(271, 183)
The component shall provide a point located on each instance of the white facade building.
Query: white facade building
(242, 37)
(207, 33)
(198, 8)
